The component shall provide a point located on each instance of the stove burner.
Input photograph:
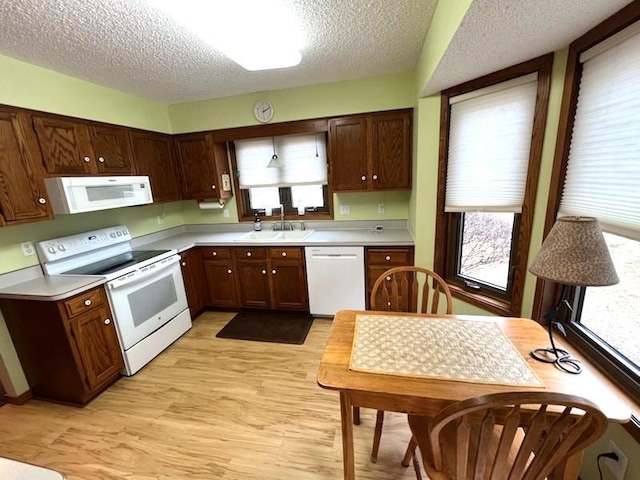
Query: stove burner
(116, 263)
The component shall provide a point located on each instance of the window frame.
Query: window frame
(247, 214)
(548, 293)
(447, 240)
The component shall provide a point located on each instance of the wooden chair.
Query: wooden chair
(492, 437)
(402, 289)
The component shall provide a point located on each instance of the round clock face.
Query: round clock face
(263, 111)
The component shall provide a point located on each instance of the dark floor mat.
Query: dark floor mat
(268, 327)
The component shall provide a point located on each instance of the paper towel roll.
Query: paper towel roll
(210, 205)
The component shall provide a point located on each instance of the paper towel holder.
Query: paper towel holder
(211, 204)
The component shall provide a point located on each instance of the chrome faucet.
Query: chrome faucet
(281, 217)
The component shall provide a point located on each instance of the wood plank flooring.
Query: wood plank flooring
(207, 408)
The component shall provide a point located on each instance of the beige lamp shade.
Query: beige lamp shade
(575, 253)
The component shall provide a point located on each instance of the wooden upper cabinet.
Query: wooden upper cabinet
(371, 151)
(72, 147)
(348, 153)
(153, 156)
(391, 150)
(204, 166)
(22, 193)
(113, 149)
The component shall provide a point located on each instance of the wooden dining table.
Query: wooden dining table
(427, 396)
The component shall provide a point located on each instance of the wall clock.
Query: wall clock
(263, 111)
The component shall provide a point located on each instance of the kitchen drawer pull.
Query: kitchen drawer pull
(86, 159)
(101, 159)
(264, 272)
(274, 271)
(389, 278)
(87, 302)
(42, 201)
(214, 253)
(248, 254)
(375, 177)
(184, 264)
(107, 321)
(229, 271)
(213, 187)
(364, 177)
(387, 258)
(284, 254)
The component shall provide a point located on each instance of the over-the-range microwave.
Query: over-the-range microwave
(88, 194)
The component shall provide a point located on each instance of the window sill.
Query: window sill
(311, 217)
(492, 305)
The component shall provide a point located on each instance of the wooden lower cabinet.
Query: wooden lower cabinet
(195, 280)
(256, 278)
(380, 259)
(68, 349)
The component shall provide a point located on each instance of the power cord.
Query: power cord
(611, 455)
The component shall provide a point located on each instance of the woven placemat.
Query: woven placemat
(449, 349)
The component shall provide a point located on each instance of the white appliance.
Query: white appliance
(335, 276)
(88, 194)
(144, 287)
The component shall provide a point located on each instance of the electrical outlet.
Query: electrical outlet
(345, 210)
(381, 208)
(617, 467)
(160, 219)
(28, 249)
(225, 213)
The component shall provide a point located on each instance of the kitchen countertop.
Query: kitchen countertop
(58, 287)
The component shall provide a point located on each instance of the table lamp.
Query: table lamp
(573, 254)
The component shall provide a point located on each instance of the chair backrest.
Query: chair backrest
(494, 437)
(400, 289)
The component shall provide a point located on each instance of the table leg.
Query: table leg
(346, 417)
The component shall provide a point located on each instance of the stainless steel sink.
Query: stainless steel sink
(274, 236)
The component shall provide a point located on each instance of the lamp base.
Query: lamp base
(560, 358)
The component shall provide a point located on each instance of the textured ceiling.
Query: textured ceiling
(132, 47)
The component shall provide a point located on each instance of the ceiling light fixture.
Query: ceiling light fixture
(256, 34)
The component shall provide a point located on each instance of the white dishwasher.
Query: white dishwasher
(335, 276)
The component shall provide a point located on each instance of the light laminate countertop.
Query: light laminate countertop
(59, 287)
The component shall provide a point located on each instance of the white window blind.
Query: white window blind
(489, 143)
(603, 170)
(304, 160)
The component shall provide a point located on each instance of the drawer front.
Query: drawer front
(84, 302)
(286, 253)
(244, 253)
(216, 253)
(390, 256)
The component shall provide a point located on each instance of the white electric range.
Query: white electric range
(144, 287)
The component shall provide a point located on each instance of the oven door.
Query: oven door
(144, 300)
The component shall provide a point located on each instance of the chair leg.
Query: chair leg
(377, 433)
(356, 415)
(410, 453)
(416, 466)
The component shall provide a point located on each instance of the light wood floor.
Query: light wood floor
(207, 408)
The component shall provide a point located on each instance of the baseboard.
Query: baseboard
(20, 399)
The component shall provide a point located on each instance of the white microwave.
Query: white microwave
(88, 194)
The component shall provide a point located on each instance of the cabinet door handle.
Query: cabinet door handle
(264, 272)
(387, 258)
(388, 279)
(101, 159)
(213, 187)
(375, 177)
(87, 302)
(248, 254)
(184, 264)
(107, 321)
(229, 271)
(214, 253)
(364, 177)
(274, 271)
(42, 200)
(86, 159)
(284, 254)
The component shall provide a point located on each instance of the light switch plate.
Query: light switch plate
(381, 208)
